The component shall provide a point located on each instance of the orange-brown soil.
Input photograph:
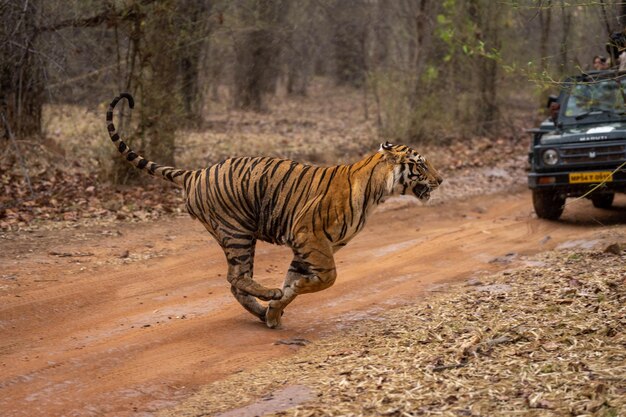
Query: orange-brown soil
(130, 320)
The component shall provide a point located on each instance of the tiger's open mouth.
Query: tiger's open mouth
(422, 191)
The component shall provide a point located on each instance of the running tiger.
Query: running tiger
(313, 210)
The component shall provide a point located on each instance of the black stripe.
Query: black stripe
(300, 268)
(328, 236)
(220, 199)
(238, 260)
(131, 156)
(257, 161)
(363, 164)
(238, 245)
(245, 193)
(230, 193)
(350, 198)
(344, 228)
(241, 236)
(243, 166)
(276, 165)
(366, 197)
(330, 180)
(142, 164)
(236, 162)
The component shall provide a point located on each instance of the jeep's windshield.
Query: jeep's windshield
(597, 97)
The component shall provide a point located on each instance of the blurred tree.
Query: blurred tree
(160, 60)
(434, 68)
(485, 16)
(257, 52)
(21, 67)
(166, 40)
(349, 41)
(566, 25)
(545, 24)
(302, 46)
(193, 32)
(621, 13)
(421, 42)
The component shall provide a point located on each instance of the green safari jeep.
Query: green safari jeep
(581, 145)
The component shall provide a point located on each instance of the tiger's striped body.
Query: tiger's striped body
(313, 210)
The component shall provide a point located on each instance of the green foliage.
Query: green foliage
(390, 88)
(483, 55)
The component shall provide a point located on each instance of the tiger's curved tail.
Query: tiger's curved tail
(177, 176)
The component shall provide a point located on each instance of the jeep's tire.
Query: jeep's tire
(548, 204)
(603, 201)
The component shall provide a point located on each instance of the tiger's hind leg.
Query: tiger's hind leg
(244, 283)
(312, 269)
(240, 257)
(249, 303)
(239, 250)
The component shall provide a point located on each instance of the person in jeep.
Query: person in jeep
(600, 63)
(581, 149)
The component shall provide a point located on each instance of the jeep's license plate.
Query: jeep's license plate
(582, 177)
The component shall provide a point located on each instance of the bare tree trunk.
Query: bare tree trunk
(545, 22)
(257, 54)
(484, 15)
(255, 71)
(152, 68)
(422, 41)
(299, 67)
(301, 50)
(348, 32)
(566, 20)
(160, 107)
(622, 15)
(21, 68)
(193, 28)
(607, 25)
(121, 172)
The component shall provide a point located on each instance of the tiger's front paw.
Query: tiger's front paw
(272, 317)
(272, 294)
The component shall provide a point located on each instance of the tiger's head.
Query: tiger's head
(413, 174)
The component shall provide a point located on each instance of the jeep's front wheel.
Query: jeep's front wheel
(603, 201)
(548, 204)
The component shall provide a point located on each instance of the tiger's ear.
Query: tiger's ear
(389, 153)
(385, 146)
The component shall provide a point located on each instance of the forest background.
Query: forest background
(415, 71)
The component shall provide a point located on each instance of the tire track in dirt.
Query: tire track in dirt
(134, 338)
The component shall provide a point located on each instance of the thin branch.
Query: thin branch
(19, 22)
(34, 51)
(17, 153)
(606, 18)
(106, 16)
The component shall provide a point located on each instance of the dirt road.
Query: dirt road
(131, 319)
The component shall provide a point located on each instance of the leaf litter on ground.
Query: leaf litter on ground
(551, 341)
